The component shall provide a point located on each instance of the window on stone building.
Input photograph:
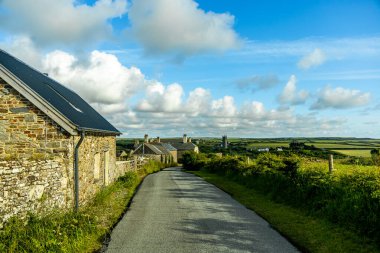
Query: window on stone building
(97, 166)
(106, 167)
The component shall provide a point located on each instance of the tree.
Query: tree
(375, 154)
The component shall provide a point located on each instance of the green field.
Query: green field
(268, 144)
(355, 152)
(338, 145)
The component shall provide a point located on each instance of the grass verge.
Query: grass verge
(84, 231)
(308, 233)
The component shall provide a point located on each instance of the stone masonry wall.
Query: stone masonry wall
(36, 160)
(32, 186)
(25, 131)
(97, 164)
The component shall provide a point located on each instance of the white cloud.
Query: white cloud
(102, 80)
(289, 94)
(256, 111)
(257, 82)
(224, 107)
(180, 27)
(198, 101)
(63, 22)
(313, 59)
(340, 98)
(159, 98)
(23, 48)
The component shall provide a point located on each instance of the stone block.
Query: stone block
(36, 192)
(19, 110)
(30, 118)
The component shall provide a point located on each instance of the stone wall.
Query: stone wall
(97, 164)
(33, 186)
(26, 132)
(37, 158)
(135, 164)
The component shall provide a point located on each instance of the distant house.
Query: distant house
(182, 146)
(157, 148)
(157, 151)
(56, 151)
(263, 150)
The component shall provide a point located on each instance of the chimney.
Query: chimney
(158, 139)
(146, 138)
(184, 138)
(189, 139)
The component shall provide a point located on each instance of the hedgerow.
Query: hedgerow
(350, 196)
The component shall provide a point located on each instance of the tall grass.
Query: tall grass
(74, 232)
(350, 196)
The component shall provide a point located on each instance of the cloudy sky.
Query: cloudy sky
(242, 68)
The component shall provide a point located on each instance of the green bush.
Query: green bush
(350, 198)
(193, 161)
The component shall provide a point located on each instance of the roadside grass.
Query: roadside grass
(308, 233)
(84, 231)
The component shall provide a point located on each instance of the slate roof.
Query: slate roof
(167, 146)
(160, 147)
(69, 104)
(149, 148)
(157, 148)
(183, 146)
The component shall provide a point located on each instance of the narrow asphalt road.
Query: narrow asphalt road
(174, 211)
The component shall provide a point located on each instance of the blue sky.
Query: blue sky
(208, 68)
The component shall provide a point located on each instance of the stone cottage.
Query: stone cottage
(182, 146)
(156, 150)
(56, 151)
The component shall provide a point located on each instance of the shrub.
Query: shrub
(350, 196)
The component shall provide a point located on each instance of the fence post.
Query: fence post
(135, 163)
(331, 163)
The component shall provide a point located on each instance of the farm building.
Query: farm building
(56, 151)
(183, 146)
(157, 150)
(176, 147)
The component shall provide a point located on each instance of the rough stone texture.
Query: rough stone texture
(92, 145)
(32, 186)
(123, 167)
(37, 157)
(25, 131)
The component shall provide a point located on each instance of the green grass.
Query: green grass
(355, 152)
(337, 145)
(84, 231)
(318, 144)
(308, 233)
(268, 144)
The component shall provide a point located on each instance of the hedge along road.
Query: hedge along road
(174, 211)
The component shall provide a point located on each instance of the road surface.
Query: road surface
(174, 211)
